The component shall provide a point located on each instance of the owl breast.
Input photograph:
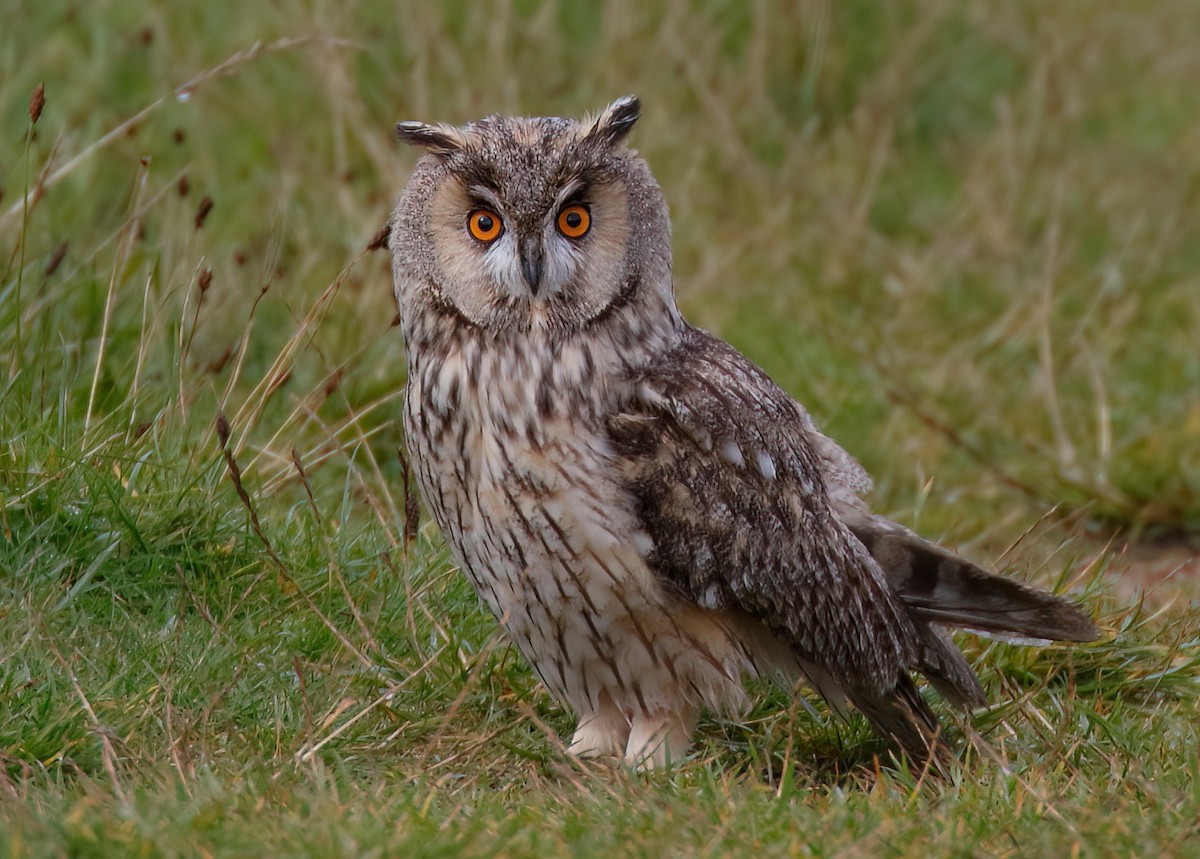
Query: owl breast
(514, 462)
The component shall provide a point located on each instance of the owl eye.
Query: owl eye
(574, 221)
(485, 225)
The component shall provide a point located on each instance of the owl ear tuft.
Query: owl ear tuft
(439, 139)
(616, 121)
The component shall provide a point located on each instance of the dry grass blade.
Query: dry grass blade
(103, 733)
(235, 475)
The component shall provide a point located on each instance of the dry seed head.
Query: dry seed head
(217, 365)
(223, 430)
(332, 383)
(205, 207)
(56, 259)
(380, 240)
(37, 101)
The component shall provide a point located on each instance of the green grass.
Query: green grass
(963, 234)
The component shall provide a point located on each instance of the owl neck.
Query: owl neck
(521, 379)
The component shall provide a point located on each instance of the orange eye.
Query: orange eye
(574, 221)
(485, 225)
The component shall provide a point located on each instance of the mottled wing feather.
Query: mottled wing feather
(730, 482)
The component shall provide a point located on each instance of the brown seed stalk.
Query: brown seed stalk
(37, 101)
(206, 206)
(56, 259)
(380, 240)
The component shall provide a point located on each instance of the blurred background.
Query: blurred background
(965, 234)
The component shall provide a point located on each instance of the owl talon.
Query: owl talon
(659, 741)
(602, 735)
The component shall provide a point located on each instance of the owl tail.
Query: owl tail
(940, 587)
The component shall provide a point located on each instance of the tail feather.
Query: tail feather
(902, 716)
(947, 669)
(940, 587)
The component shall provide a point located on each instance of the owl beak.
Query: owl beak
(531, 262)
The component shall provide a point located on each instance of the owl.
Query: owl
(649, 516)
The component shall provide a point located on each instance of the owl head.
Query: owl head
(531, 223)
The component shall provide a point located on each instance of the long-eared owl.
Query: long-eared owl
(648, 515)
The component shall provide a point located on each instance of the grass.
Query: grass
(963, 234)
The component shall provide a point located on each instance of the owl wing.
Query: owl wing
(732, 484)
(751, 509)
